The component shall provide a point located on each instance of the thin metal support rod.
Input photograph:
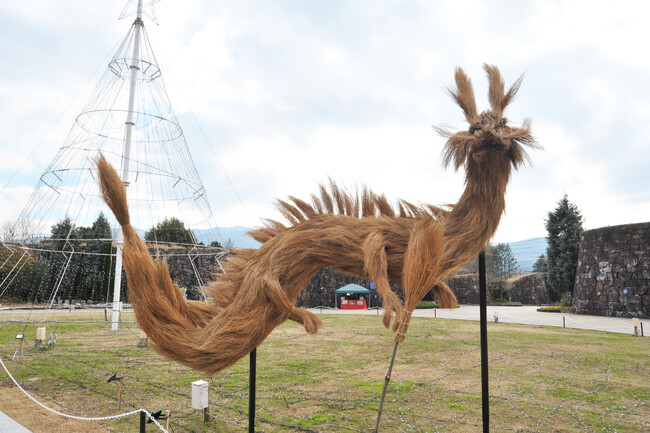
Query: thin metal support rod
(485, 399)
(383, 394)
(143, 421)
(251, 391)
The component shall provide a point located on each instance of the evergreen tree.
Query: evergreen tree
(97, 263)
(492, 262)
(16, 272)
(509, 261)
(62, 268)
(541, 265)
(62, 233)
(500, 262)
(564, 227)
(170, 230)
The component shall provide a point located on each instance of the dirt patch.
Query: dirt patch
(14, 403)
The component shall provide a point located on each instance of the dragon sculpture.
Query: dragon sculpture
(416, 246)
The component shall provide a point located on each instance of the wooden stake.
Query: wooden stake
(20, 349)
(119, 404)
(206, 414)
(168, 413)
(386, 381)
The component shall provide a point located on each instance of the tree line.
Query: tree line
(500, 262)
(77, 262)
(559, 263)
(74, 262)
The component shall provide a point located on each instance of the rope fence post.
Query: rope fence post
(485, 398)
(143, 422)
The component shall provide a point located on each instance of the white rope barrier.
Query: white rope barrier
(102, 418)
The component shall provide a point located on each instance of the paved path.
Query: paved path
(8, 425)
(527, 315)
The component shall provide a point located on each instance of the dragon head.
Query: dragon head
(489, 133)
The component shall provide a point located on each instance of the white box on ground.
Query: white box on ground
(199, 394)
(40, 333)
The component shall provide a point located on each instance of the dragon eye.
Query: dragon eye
(502, 123)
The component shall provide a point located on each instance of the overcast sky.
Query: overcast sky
(275, 96)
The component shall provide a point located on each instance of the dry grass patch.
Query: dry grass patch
(541, 379)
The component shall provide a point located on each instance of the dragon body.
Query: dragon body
(358, 233)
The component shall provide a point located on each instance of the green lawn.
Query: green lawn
(541, 379)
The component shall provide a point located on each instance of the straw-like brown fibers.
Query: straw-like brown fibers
(359, 233)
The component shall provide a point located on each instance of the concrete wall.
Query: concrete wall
(613, 272)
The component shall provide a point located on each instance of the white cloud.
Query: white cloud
(291, 92)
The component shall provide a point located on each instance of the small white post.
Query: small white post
(636, 323)
(20, 337)
(168, 413)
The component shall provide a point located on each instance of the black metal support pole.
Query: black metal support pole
(251, 392)
(482, 280)
(143, 421)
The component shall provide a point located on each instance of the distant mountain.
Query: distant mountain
(236, 236)
(528, 251)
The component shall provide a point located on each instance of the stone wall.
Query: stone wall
(465, 287)
(185, 264)
(529, 289)
(180, 262)
(613, 272)
(320, 290)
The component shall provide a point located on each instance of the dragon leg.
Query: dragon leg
(446, 296)
(421, 269)
(376, 266)
(279, 298)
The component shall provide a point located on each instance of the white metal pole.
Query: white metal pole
(126, 156)
(117, 283)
